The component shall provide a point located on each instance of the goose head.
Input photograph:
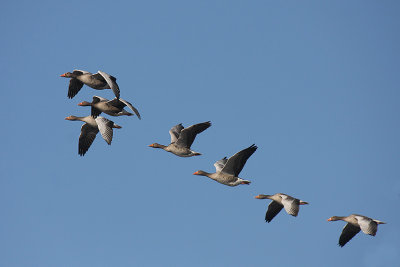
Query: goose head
(72, 118)
(85, 103)
(68, 75)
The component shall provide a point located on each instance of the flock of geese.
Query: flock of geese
(227, 169)
(95, 123)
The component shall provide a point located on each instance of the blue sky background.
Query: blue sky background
(315, 84)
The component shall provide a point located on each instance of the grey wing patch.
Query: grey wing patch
(187, 135)
(88, 134)
(131, 107)
(273, 209)
(349, 231)
(175, 132)
(111, 81)
(219, 165)
(74, 87)
(291, 205)
(367, 225)
(105, 128)
(236, 163)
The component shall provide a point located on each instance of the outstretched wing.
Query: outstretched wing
(88, 134)
(188, 135)
(131, 107)
(273, 209)
(111, 81)
(367, 225)
(349, 231)
(291, 205)
(105, 128)
(175, 132)
(74, 87)
(235, 164)
(219, 165)
(121, 103)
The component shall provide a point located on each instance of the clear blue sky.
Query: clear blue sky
(314, 84)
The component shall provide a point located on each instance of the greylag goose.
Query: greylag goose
(182, 139)
(355, 223)
(113, 107)
(90, 129)
(227, 170)
(99, 81)
(279, 201)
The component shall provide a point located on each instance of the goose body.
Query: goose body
(355, 224)
(182, 139)
(90, 129)
(98, 81)
(113, 107)
(227, 170)
(280, 201)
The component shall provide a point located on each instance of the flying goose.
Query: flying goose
(99, 81)
(182, 138)
(279, 201)
(90, 129)
(227, 170)
(113, 107)
(355, 223)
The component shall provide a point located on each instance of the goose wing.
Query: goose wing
(105, 128)
(367, 225)
(235, 164)
(175, 132)
(219, 165)
(349, 231)
(273, 209)
(131, 107)
(188, 134)
(88, 134)
(121, 103)
(111, 81)
(291, 204)
(74, 87)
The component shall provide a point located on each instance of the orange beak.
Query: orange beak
(152, 145)
(62, 75)
(68, 118)
(196, 173)
(330, 219)
(257, 197)
(80, 104)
